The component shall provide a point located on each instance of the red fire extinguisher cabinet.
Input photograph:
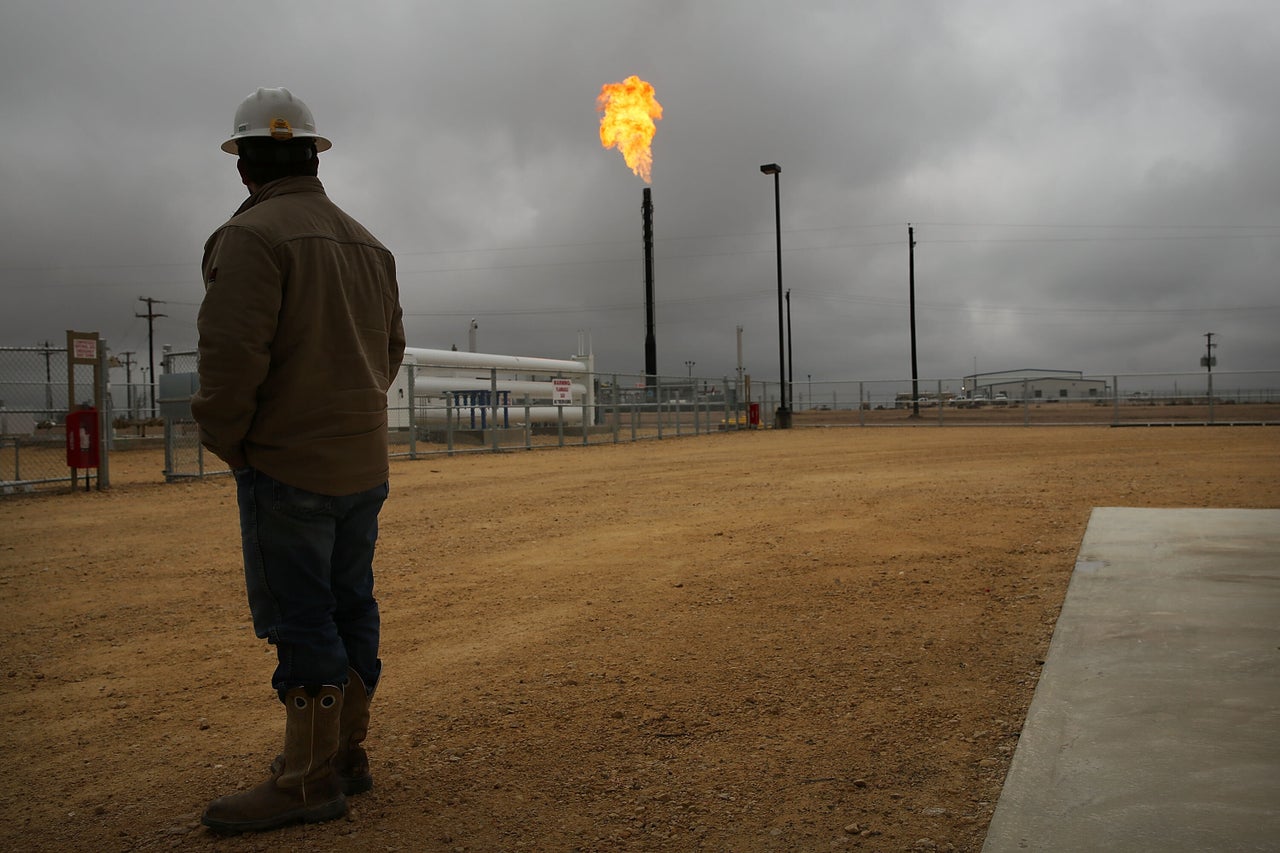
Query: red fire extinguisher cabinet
(82, 439)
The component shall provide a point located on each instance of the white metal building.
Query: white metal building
(1037, 384)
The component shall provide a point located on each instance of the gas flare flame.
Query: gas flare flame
(628, 111)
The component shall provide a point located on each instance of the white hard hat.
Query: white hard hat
(274, 114)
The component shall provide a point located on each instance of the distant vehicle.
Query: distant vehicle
(1002, 399)
(974, 402)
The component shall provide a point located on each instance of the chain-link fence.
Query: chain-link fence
(36, 394)
(1030, 398)
(441, 409)
(434, 410)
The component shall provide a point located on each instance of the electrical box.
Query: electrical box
(176, 391)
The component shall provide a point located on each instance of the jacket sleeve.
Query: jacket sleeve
(395, 338)
(237, 323)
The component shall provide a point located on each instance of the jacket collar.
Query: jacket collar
(279, 187)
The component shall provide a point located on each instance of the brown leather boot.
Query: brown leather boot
(352, 762)
(305, 789)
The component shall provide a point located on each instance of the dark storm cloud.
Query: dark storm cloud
(1093, 184)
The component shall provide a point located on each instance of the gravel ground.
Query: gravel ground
(821, 639)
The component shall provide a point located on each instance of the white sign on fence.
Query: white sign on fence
(561, 392)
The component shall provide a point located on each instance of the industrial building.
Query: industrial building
(1036, 384)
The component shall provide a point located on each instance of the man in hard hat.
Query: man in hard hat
(300, 337)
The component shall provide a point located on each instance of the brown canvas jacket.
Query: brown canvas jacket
(300, 337)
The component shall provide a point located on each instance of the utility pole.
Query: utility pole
(151, 316)
(915, 375)
(1207, 362)
(48, 382)
(740, 394)
(127, 359)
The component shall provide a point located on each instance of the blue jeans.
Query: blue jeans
(308, 569)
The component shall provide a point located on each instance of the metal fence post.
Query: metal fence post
(560, 422)
(725, 404)
(1115, 401)
(617, 415)
(448, 421)
(411, 376)
(1211, 396)
(170, 472)
(657, 399)
(726, 409)
(493, 406)
(528, 423)
(104, 419)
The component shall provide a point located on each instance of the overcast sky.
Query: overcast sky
(1093, 185)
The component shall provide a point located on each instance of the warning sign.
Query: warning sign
(84, 349)
(561, 392)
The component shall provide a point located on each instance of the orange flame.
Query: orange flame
(628, 111)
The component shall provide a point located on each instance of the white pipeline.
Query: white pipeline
(443, 358)
(464, 383)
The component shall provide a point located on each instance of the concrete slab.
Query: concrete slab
(1156, 722)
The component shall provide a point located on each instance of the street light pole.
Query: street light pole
(911, 278)
(782, 418)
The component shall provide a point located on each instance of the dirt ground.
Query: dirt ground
(819, 639)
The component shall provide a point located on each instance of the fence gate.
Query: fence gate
(184, 456)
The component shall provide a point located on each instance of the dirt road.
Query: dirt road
(819, 639)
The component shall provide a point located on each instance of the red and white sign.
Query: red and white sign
(561, 392)
(86, 348)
